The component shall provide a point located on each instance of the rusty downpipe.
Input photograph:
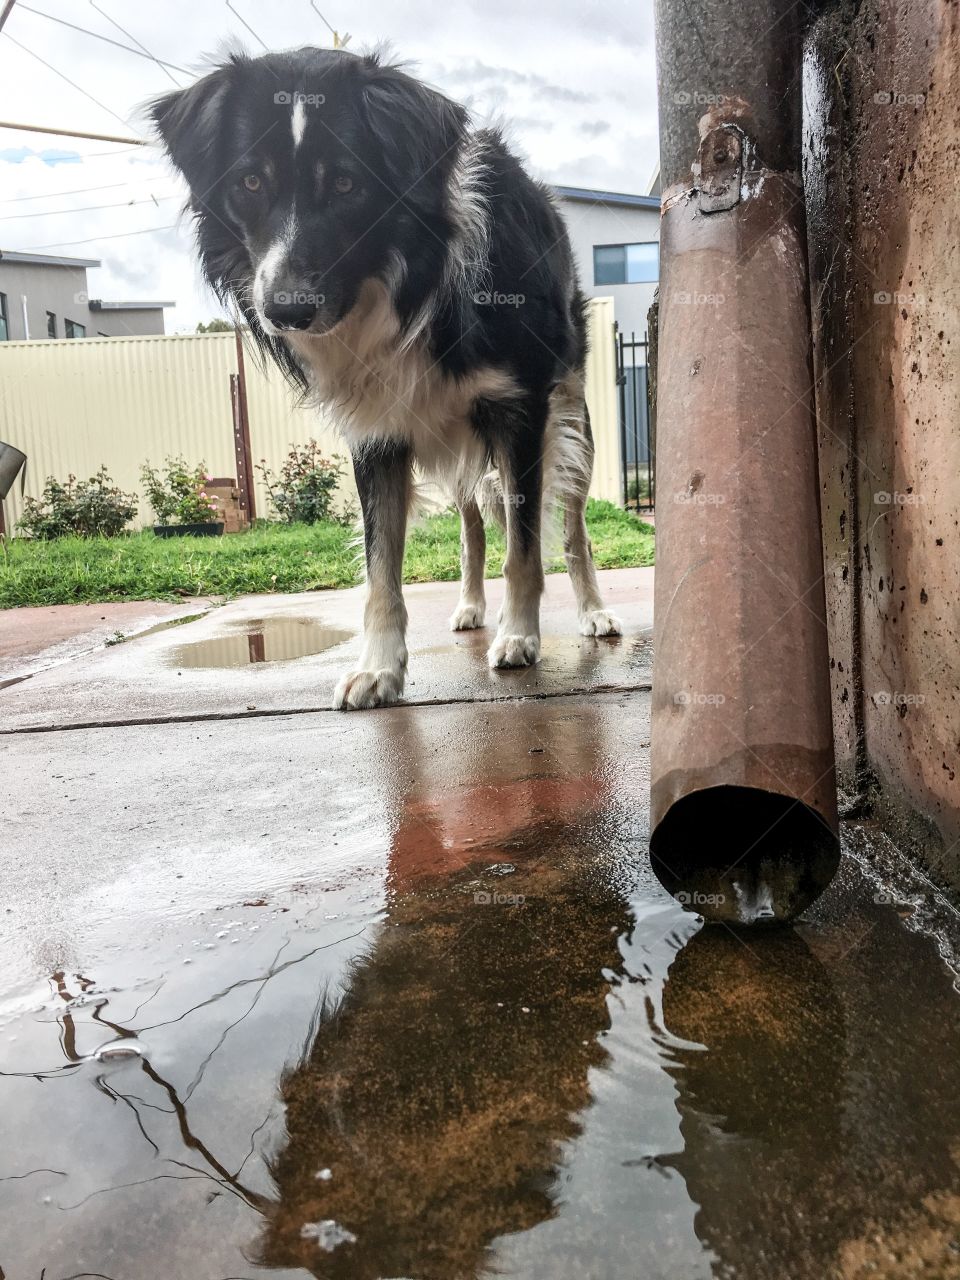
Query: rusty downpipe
(744, 809)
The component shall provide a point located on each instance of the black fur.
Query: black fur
(399, 141)
(316, 174)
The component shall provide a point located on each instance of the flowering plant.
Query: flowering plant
(84, 507)
(176, 492)
(305, 489)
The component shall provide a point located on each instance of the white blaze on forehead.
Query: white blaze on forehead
(298, 121)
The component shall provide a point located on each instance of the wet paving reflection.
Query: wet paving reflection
(276, 639)
(486, 1043)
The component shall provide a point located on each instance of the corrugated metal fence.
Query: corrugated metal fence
(71, 406)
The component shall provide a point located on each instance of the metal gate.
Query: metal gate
(637, 461)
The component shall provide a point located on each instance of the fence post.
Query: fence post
(620, 378)
(241, 432)
(653, 320)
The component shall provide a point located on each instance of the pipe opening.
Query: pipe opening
(743, 855)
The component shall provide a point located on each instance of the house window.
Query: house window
(73, 330)
(4, 327)
(626, 263)
(51, 325)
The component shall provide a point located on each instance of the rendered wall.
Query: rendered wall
(882, 139)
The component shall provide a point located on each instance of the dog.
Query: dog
(408, 275)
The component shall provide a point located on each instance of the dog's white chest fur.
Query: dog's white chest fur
(378, 385)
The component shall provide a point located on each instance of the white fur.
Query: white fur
(469, 613)
(376, 387)
(378, 679)
(270, 270)
(468, 616)
(298, 122)
(467, 263)
(514, 651)
(600, 622)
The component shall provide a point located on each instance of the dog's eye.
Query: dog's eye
(253, 182)
(342, 184)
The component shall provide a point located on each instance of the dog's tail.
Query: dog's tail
(567, 468)
(490, 498)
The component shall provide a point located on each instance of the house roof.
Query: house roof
(591, 196)
(45, 259)
(98, 304)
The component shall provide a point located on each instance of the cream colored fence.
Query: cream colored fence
(72, 405)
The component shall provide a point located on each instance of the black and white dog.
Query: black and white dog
(410, 276)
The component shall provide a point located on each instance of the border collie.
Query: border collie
(410, 277)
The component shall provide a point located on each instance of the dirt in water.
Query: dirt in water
(469, 1045)
(277, 639)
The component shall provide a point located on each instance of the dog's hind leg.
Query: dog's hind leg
(469, 613)
(520, 459)
(595, 620)
(384, 481)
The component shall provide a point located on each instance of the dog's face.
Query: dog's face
(311, 172)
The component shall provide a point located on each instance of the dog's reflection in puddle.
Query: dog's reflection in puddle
(429, 1109)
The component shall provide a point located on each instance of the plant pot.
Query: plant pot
(211, 530)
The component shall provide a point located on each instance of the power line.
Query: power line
(120, 235)
(89, 208)
(245, 23)
(139, 43)
(70, 82)
(98, 155)
(339, 42)
(97, 36)
(82, 191)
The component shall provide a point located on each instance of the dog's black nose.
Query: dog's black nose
(290, 311)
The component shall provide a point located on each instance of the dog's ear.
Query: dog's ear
(189, 122)
(419, 130)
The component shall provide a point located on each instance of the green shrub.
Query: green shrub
(176, 492)
(639, 489)
(304, 490)
(87, 508)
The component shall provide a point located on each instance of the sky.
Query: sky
(573, 81)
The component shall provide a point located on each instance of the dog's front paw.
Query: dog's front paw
(467, 617)
(600, 622)
(514, 651)
(360, 689)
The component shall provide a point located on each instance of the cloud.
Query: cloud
(17, 155)
(554, 71)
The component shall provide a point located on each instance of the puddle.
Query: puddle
(260, 640)
(456, 1031)
(121, 637)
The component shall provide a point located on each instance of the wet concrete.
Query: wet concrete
(141, 681)
(32, 640)
(406, 976)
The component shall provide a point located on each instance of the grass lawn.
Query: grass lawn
(267, 558)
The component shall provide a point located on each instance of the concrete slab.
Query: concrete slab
(33, 639)
(407, 973)
(150, 679)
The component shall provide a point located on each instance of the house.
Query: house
(616, 242)
(43, 296)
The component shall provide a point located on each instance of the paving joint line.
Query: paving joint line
(272, 713)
